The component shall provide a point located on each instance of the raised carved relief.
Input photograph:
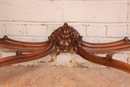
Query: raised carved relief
(66, 39)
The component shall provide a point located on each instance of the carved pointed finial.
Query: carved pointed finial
(126, 39)
(65, 25)
(4, 38)
(109, 56)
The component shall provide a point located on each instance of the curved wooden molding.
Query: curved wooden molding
(65, 39)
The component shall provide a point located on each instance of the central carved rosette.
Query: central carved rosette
(66, 38)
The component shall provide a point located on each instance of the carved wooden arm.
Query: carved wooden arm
(65, 39)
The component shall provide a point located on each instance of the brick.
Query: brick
(36, 30)
(69, 10)
(129, 11)
(2, 30)
(31, 10)
(96, 30)
(128, 30)
(29, 38)
(101, 39)
(52, 27)
(116, 30)
(106, 40)
(14, 29)
(80, 28)
(95, 11)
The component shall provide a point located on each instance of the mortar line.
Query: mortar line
(45, 22)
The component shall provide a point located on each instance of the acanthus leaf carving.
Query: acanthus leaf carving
(66, 39)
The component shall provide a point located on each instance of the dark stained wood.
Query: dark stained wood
(23, 46)
(106, 61)
(65, 39)
(28, 57)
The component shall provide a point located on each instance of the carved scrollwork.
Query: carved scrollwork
(66, 39)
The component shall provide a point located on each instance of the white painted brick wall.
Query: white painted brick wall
(96, 20)
(36, 30)
(80, 28)
(128, 30)
(19, 30)
(128, 17)
(30, 10)
(2, 30)
(96, 30)
(95, 11)
(116, 30)
(52, 27)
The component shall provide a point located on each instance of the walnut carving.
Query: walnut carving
(66, 39)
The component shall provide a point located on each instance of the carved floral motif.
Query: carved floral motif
(65, 38)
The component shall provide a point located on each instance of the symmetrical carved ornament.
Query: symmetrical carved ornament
(65, 39)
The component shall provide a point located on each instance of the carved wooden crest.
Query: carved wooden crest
(65, 38)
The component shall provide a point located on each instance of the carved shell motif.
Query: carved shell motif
(66, 38)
